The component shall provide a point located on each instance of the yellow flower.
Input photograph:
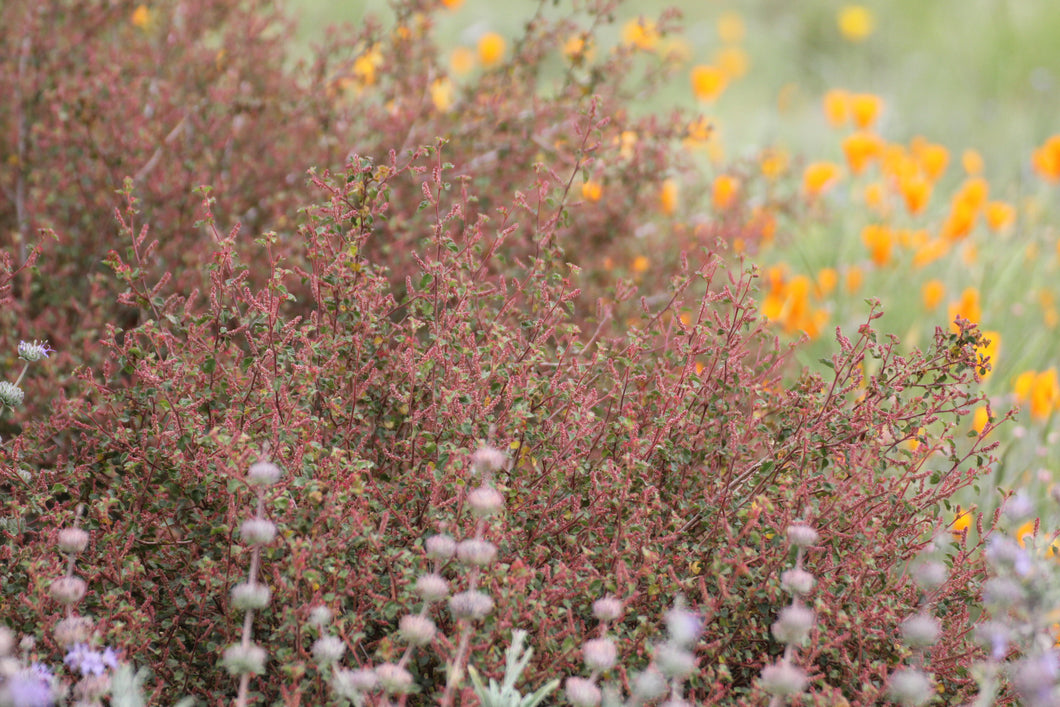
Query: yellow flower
(462, 61)
(966, 308)
(972, 162)
(452, 4)
(773, 162)
(875, 194)
(999, 215)
(930, 252)
(827, 279)
(979, 419)
(491, 47)
(1046, 159)
(1026, 532)
(860, 148)
(724, 193)
(865, 109)
(819, 177)
(836, 105)
(880, 240)
(932, 293)
(732, 61)
(916, 191)
(708, 82)
(640, 264)
(141, 17)
(854, 279)
(855, 22)
(730, 27)
(930, 157)
(668, 196)
(961, 523)
(640, 33)
(442, 94)
(578, 48)
(592, 190)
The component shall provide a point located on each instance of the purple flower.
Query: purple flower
(29, 688)
(87, 661)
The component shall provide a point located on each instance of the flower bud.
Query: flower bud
(607, 609)
(263, 474)
(68, 590)
(10, 394)
(393, 678)
(432, 587)
(248, 596)
(440, 547)
(582, 692)
(920, 630)
(910, 687)
(485, 501)
(476, 553)
(793, 625)
(600, 654)
(802, 535)
(416, 630)
(239, 659)
(797, 581)
(328, 650)
(783, 679)
(72, 540)
(472, 605)
(258, 531)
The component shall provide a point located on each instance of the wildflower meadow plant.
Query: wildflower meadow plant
(508, 349)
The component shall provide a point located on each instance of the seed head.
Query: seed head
(319, 616)
(349, 684)
(929, 575)
(674, 662)
(485, 501)
(649, 684)
(10, 394)
(68, 590)
(607, 609)
(328, 650)
(797, 581)
(72, 630)
(7, 641)
(910, 687)
(263, 474)
(72, 540)
(473, 605)
(248, 596)
(239, 659)
(417, 630)
(476, 553)
(783, 679)
(440, 547)
(258, 531)
(600, 654)
(920, 630)
(432, 587)
(393, 678)
(802, 535)
(793, 625)
(582, 692)
(487, 460)
(683, 625)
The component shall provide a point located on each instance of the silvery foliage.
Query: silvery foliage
(505, 694)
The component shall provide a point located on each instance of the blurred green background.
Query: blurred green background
(965, 73)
